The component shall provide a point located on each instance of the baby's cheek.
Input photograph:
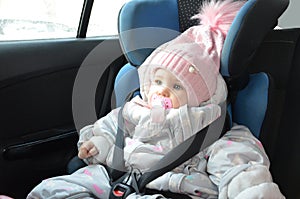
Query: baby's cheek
(175, 103)
(178, 101)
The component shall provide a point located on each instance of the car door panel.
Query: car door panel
(37, 127)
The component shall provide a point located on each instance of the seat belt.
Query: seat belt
(178, 155)
(171, 160)
(118, 164)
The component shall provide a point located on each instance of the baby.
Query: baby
(181, 93)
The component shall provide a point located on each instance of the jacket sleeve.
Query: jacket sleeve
(102, 133)
(239, 166)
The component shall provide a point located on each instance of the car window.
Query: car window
(104, 17)
(46, 19)
(290, 18)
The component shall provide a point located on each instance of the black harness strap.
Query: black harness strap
(118, 162)
(178, 155)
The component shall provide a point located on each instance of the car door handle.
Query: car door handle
(39, 147)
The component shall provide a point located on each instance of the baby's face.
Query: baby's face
(165, 84)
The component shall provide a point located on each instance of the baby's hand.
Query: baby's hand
(87, 149)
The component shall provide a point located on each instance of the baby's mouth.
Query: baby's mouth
(160, 101)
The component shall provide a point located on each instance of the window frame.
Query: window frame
(84, 18)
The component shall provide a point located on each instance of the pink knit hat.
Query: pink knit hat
(194, 56)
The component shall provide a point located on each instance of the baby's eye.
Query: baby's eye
(158, 82)
(177, 87)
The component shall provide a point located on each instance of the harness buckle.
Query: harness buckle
(121, 190)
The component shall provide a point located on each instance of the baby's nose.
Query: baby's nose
(165, 92)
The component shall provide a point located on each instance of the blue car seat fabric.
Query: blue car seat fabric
(140, 23)
(127, 74)
(248, 108)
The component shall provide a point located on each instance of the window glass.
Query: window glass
(104, 18)
(39, 19)
(290, 18)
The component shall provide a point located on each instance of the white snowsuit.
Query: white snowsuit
(235, 166)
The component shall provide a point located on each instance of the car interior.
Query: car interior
(51, 89)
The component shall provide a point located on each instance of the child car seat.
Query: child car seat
(145, 24)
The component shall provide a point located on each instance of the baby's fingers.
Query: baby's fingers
(93, 151)
(83, 153)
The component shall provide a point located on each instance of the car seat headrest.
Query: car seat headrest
(252, 23)
(145, 25)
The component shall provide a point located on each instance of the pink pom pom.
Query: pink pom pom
(219, 14)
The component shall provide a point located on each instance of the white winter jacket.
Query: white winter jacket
(235, 166)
